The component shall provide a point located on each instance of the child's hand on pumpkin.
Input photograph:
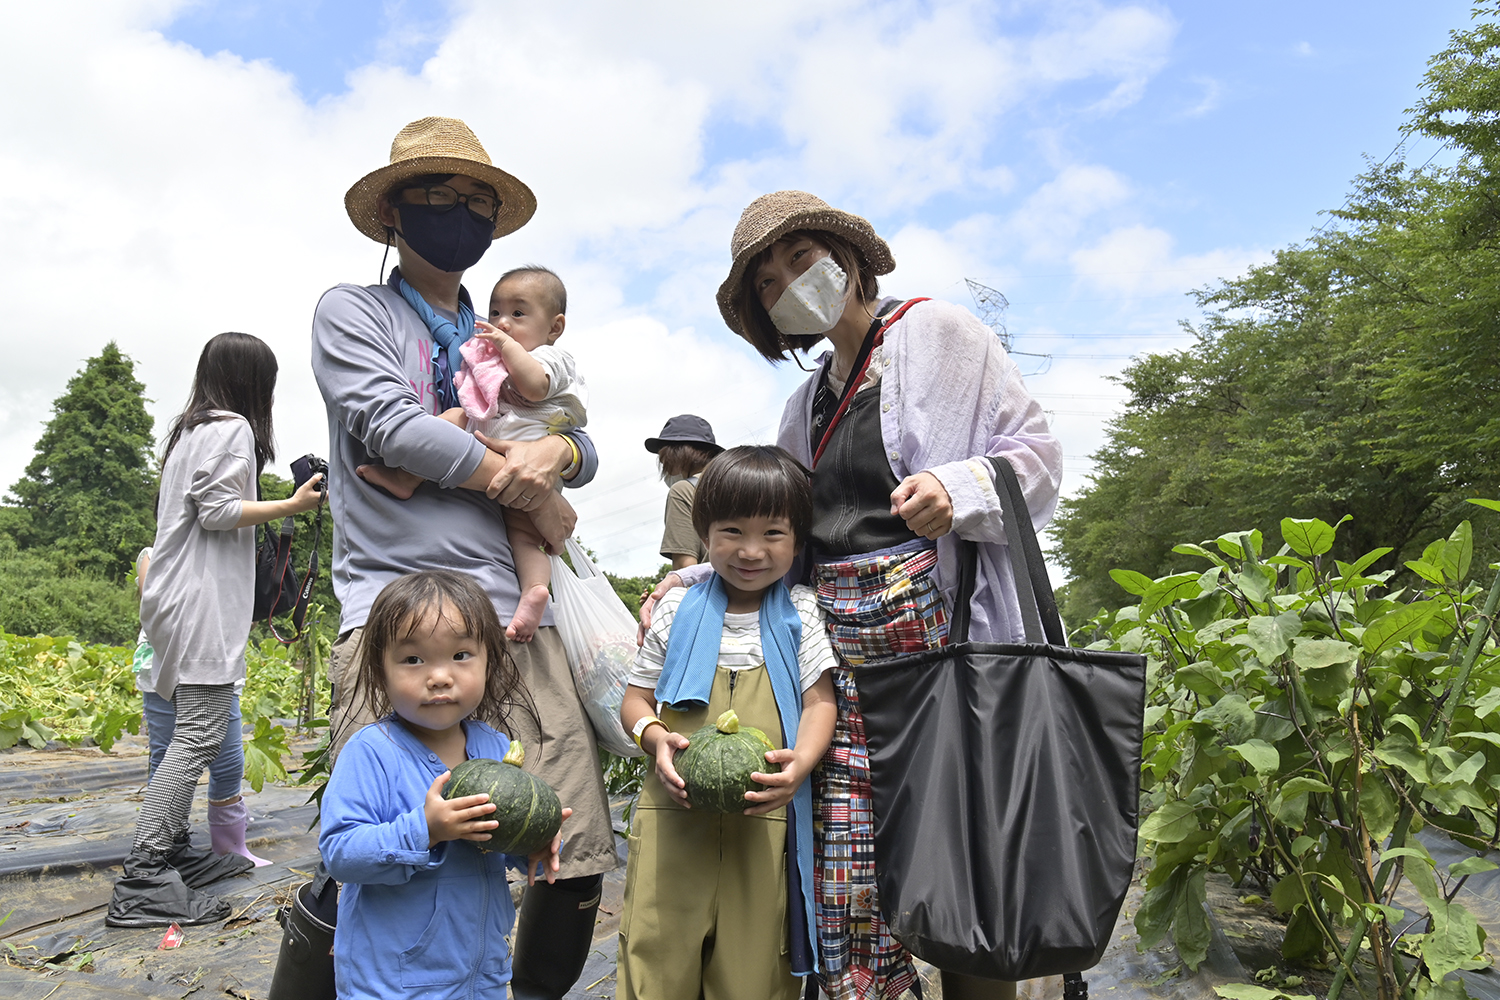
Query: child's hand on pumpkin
(780, 785)
(464, 818)
(548, 856)
(666, 749)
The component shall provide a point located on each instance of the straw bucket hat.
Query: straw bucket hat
(437, 146)
(771, 216)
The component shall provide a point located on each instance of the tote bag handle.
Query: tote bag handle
(1033, 587)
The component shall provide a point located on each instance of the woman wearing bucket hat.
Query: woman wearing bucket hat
(895, 423)
(384, 357)
(683, 448)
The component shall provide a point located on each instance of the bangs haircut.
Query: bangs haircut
(403, 608)
(754, 480)
(684, 458)
(552, 286)
(755, 322)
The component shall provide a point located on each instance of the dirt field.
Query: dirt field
(66, 818)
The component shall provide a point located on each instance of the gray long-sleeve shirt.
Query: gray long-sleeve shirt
(200, 593)
(372, 358)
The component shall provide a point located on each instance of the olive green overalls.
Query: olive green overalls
(705, 893)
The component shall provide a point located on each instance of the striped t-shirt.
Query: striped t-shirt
(740, 648)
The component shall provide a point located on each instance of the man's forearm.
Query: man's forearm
(561, 456)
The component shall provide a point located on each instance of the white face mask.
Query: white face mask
(814, 302)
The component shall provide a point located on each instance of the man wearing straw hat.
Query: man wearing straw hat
(384, 357)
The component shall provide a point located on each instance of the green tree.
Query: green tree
(89, 493)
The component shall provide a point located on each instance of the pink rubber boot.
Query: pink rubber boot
(226, 830)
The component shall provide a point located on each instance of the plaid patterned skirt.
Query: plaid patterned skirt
(879, 607)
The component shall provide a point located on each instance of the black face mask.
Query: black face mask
(451, 239)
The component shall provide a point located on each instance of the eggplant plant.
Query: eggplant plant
(1306, 718)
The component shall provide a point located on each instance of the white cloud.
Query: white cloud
(1139, 260)
(155, 195)
(1049, 220)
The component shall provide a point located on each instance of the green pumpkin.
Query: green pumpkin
(526, 807)
(718, 762)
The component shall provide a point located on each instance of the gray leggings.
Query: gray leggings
(202, 718)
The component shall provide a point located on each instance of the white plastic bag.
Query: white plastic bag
(599, 634)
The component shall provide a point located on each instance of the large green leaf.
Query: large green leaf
(1310, 654)
(1302, 941)
(1426, 570)
(1452, 768)
(1458, 553)
(1260, 755)
(1231, 717)
(1378, 808)
(1487, 702)
(1455, 941)
(1168, 589)
(1270, 636)
(1400, 624)
(1158, 905)
(1169, 823)
(1203, 679)
(263, 753)
(1399, 751)
(1471, 866)
(1363, 563)
(1302, 784)
(1255, 582)
(1190, 928)
(1311, 537)
(1130, 581)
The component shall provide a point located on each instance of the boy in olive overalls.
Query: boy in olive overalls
(720, 905)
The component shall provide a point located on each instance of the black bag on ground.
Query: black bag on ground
(1006, 784)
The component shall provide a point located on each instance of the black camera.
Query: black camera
(306, 467)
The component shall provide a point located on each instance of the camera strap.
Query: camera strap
(304, 595)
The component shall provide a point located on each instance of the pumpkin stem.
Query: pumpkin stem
(515, 755)
(728, 722)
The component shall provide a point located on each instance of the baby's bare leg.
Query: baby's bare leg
(398, 482)
(554, 520)
(533, 571)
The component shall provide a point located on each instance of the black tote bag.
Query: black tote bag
(1006, 783)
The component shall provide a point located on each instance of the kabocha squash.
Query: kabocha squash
(718, 762)
(526, 807)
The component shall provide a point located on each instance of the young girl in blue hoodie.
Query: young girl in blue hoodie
(423, 911)
(720, 905)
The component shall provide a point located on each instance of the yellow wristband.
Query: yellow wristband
(577, 462)
(642, 724)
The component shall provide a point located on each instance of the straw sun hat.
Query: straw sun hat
(771, 216)
(437, 146)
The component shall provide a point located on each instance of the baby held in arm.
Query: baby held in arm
(516, 385)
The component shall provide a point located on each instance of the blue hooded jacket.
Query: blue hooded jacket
(413, 921)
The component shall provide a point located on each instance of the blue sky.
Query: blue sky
(1094, 160)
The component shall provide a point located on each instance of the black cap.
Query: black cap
(684, 429)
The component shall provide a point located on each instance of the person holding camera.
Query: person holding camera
(384, 358)
(195, 609)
